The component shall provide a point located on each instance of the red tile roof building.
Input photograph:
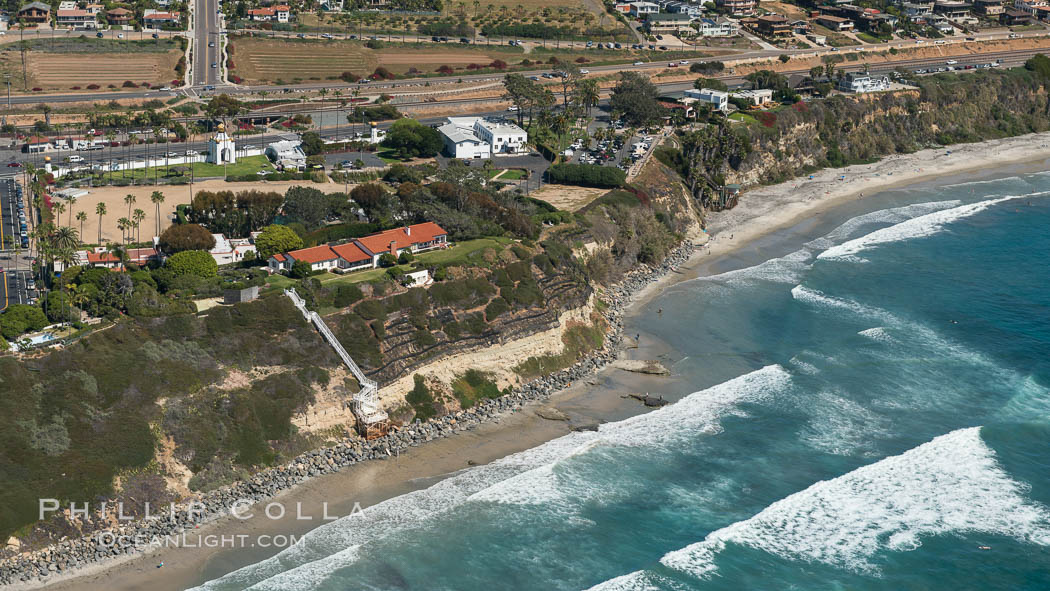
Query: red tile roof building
(364, 253)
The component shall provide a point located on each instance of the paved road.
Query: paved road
(10, 230)
(205, 33)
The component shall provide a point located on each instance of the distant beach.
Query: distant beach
(760, 212)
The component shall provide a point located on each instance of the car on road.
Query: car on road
(14, 165)
(585, 71)
(99, 34)
(672, 64)
(464, 40)
(639, 63)
(326, 36)
(209, 87)
(215, 64)
(512, 108)
(683, 62)
(211, 44)
(155, 36)
(120, 35)
(1014, 36)
(75, 158)
(301, 36)
(30, 284)
(951, 62)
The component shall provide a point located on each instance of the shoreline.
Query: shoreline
(590, 397)
(764, 210)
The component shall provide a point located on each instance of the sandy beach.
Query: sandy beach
(759, 213)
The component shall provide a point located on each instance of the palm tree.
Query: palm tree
(138, 216)
(100, 210)
(129, 200)
(157, 198)
(81, 217)
(124, 224)
(72, 201)
(65, 238)
(477, 5)
(58, 209)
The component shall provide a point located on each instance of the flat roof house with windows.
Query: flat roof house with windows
(774, 25)
(669, 23)
(643, 9)
(738, 7)
(719, 27)
(862, 82)
(718, 99)
(75, 18)
(482, 137)
(835, 23)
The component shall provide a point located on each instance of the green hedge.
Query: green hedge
(586, 175)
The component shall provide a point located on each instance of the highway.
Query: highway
(206, 43)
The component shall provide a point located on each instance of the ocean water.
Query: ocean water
(868, 410)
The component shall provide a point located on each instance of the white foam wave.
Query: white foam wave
(534, 476)
(842, 426)
(786, 269)
(636, 581)
(878, 334)
(951, 485)
(917, 227)
(893, 215)
(820, 299)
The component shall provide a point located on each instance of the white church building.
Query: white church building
(221, 149)
(482, 137)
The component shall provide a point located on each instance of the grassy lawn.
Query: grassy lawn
(278, 282)
(249, 165)
(512, 174)
(743, 117)
(388, 156)
(460, 253)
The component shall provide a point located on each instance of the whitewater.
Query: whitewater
(840, 421)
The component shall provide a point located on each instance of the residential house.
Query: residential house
(364, 253)
(835, 23)
(800, 27)
(693, 9)
(917, 12)
(67, 5)
(75, 19)
(155, 18)
(669, 23)
(1029, 6)
(231, 250)
(118, 16)
(1014, 18)
(644, 9)
(863, 82)
(953, 10)
(95, 9)
(287, 155)
(100, 257)
(280, 13)
(989, 8)
(818, 39)
(622, 7)
(35, 12)
(481, 137)
(738, 7)
(718, 99)
(774, 25)
(942, 25)
(720, 27)
(756, 97)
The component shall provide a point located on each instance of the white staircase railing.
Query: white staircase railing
(365, 403)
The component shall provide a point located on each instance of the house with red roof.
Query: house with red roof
(363, 253)
(280, 13)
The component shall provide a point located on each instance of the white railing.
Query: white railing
(365, 403)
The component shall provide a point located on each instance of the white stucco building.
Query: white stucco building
(719, 100)
(287, 155)
(221, 149)
(862, 82)
(481, 137)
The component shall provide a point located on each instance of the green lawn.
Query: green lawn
(512, 174)
(743, 117)
(388, 156)
(249, 165)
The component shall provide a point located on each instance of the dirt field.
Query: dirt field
(62, 71)
(568, 198)
(258, 60)
(174, 195)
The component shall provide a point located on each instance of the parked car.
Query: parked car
(14, 165)
(512, 108)
(76, 158)
(99, 34)
(155, 36)
(639, 63)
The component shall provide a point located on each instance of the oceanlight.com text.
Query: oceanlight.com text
(191, 540)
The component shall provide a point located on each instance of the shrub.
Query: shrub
(495, 308)
(93, 87)
(587, 175)
(275, 238)
(387, 260)
(129, 84)
(198, 263)
(444, 70)
(383, 73)
(349, 77)
(182, 237)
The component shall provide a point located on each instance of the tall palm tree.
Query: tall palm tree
(58, 210)
(138, 216)
(124, 224)
(65, 238)
(129, 200)
(72, 201)
(100, 210)
(157, 198)
(81, 217)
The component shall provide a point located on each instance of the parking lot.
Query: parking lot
(13, 228)
(619, 151)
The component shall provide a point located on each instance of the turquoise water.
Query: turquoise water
(869, 411)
